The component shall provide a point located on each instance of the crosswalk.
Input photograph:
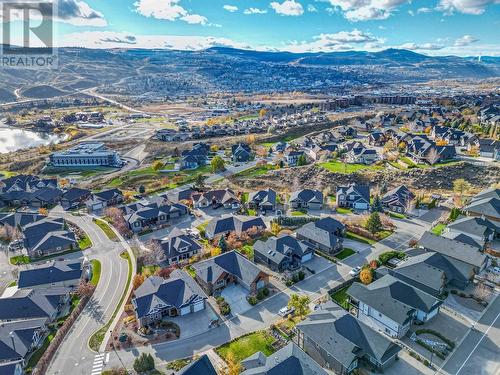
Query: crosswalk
(99, 361)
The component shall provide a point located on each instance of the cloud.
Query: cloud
(421, 47)
(169, 10)
(230, 8)
(126, 39)
(363, 10)
(474, 7)
(465, 41)
(424, 10)
(288, 8)
(311, 8)
(254, 11)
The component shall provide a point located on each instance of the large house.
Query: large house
(398, 199)
(353, 196)
(48, 236)
(292, 157)
(307, 198)
(488, 148)
(361, 155)
(232, 223)
(103, 199)
(158, 298)
(485, 204)
(216, 273)
(179, 246)
(341, 343)
(325, 235)
(74, 198)
(29, 190)
(196, 157)
(282, 253)
(214, 198)
(141, 216)
(86, 154)
(476, 231)
(58, 273)
(391, 305)
(263, 200)
(241, 153)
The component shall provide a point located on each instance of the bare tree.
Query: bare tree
(433, 156)
(156, 251)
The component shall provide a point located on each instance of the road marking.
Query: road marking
(107, 358)
(479, 342)
(98, 364)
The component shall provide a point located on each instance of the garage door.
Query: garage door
(261, 284)
(360, 206)
(185, 310)
(307, 257)
(198, 306)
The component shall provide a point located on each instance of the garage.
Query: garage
(361, 206)
(307, 257)
(198, 306)
(185, 310)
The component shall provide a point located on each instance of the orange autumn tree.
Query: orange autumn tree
(366, 276)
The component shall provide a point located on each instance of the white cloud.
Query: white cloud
(363, 10)
(421, 47)
(230, 8)
(424, 10)
(169, 10)
(254, 11)
(311, 8)
(475, 7)
(288, 8)
(465, 41)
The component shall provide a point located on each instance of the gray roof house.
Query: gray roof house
(106, 198)
(478, 230)
(325, 235)
(264, 200)
(232, 223)
(341, 343)
(282, 253)
(307, 198)
(201, 366)
(74, 197)
(485, 204)
(66, 273)
(157, 298)
(179, 246)
(224, 197)
(48, 236)
(391, 305)
(216, 273)
(398, 199)
(141, 216)
(290, 360)
(353, 196)
(19, 338)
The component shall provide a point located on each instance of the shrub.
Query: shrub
(260, 295)
(289, 283)
(144, 363)
(265, 291)
(252, 300)
(302, 275)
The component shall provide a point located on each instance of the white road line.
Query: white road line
(107, 358)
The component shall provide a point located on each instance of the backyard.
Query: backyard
(340, 167)
(341, 297)
(245, 346)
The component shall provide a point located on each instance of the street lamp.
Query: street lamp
(113, 346)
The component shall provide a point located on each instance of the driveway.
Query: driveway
(406, 365)
(236, 296)
(194, 323)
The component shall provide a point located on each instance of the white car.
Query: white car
(285, 311)
(355, 271)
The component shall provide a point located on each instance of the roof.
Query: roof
(231, 262)
(107, 195)
(452, 248)
(53, 272)
(489, 206)
(16, 338)
(237, 223)
(290, 360)
(177, 291)
(201, 366)
(263, 196)
(19, 219)
(307, 195)
(75, 193)
(476, 226)
(281, 247)
(393, 298)
(359, 191)
(400, 194)
(178, 242)
(325, 231)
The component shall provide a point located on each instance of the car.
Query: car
(279, 213)
(355, 271)
(496, 270)
(285, 311)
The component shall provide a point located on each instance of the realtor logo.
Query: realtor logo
(27, 34)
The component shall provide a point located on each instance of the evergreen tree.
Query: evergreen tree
(374, 224)
(377, 204)
(222, 244)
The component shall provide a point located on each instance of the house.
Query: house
(26, 183)
(18, 339)
(282, 253)
(353, 196)
(225, 197)
(11, 368)
(488, 148)
(179, 196)
(377, 138)
(241, 153)
(19, 219)
(280, 147)
(57, 273)
(339, 342)
(200, 366)
(45, 197)
(74, 198)
(141, 216)
(106, 198)
(232, 223)
(457, 250)
(478, 230)
(290, 360)
(423, 150)
(485, 204)
(306, 198)
(86, 154)
(325, 235)
(179, 246)
(361, 155)
(48, 236)
(292, 157)
(391, 305)
(216, 273)
(262, 200)
(158, 298)
(196, 157)
(398, 199)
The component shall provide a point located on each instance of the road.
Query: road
(74, 354)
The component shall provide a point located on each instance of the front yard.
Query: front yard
(247, 345)
(438, 229)
(341, 297)
(340, 167)
(345, 253)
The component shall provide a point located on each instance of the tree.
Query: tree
(250, 139)
(374, 224)
(222, 244)
(275, 228)
(144, 363)
(377, 204)
(214, 148)
(300, 304)
(141, 189)
(217, 164)
(118, 221)
(85, 289)
(43, 211)
(165, 272)
(199, 181)
(215, 251)
(366, 276)
(262, 112)
(233, 366)
(138, 280)
(433, 156)
(157, 255)
(157, 165)
(460, 186)
(301, 160)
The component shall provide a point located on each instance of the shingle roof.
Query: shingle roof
(307, 195)
(176, 241)
(486, 206)
(277, 248)
(325, 231)
(202, 366)
(53, 272)
(16, 338)
(237, 223)
(263, 197)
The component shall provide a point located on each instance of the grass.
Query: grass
(20, 259)
(96, 339)
(247, 250)
(438, 229)
(82, 172)
(247, 345)
(343, 211)
(255, 171)
(298, 213)
(12, 283)
(341, 297)
(339, 167)
(190, 270)
(106, 229)
(147, 271)
(96, 272)
(345, 253)
(357, 237)
(84, 242)
(397, 215)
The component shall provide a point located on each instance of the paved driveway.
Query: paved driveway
(194, 323)
(236, 296)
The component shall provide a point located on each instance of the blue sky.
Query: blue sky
(461, 27)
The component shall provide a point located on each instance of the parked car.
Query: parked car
(285, 311)
(355, 271)
(279, 213)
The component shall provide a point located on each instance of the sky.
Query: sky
(434, 27)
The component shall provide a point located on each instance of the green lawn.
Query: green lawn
(84, 242)
(255, 171)
(339, 167)
(35, 357)
(397, 215)
(346, 252)
(298, 213)
(438, 229)
(247, 250)
(340, 296)
(96, 272)
(106, 229)
(343, 211)
(357, 237)
(245, 346)
(147, 271)
(82, 172)
(20, 259)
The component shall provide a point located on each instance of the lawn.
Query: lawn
(20, 259)
(343, 211)
(82, 172)
(298, 213)
(245, 346)
(106, 229)
(341, 297)
(84, 242)
(339, 167)
(147, 271)
(397, 215)
(438, 229)
(346, 252)
(96, 272)
(255, 171)
(357, 237)
(247, 250)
